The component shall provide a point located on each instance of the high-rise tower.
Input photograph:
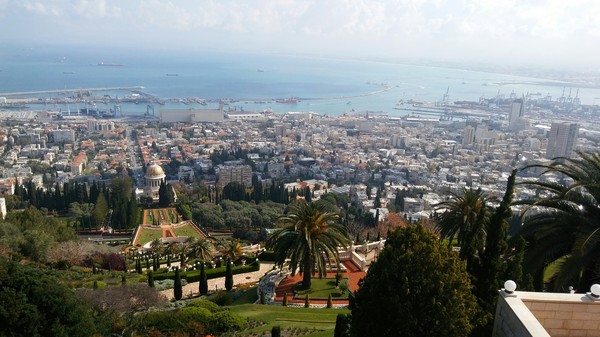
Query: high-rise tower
(517, 114)
(562, 139)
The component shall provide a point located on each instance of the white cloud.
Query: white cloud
(421, 26)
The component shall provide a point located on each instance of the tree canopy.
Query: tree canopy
(417, 287)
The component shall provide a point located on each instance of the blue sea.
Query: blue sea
(325, 85)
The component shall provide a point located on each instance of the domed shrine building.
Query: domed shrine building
(154, 177)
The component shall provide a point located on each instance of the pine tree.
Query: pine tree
(177, 288)
(285, 299)
(228, 275)
(276, 331)
(203, 284)
(307, 301)
(329, 301)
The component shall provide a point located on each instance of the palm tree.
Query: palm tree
(202, 249)
(564, 225)
(310, 239)
(465, 219)
(231, 249)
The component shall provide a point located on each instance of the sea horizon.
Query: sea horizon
(323, 85)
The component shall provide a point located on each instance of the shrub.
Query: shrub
(226, 320)
(208, 305)
(276, 331)
(267, 256)
(197, 314)
(222, 298)
(329, 301)
(285, 299)
(307, 301)
(194, 275)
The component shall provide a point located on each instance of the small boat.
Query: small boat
(172, 74)
(260, 70)
(103, 64)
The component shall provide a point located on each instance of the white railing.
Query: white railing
(359, 261)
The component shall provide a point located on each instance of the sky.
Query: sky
(524, 32)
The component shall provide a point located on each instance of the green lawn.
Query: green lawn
(186, 230)
(323, 320)
(148, 235)
(149, 218)
(321, 288)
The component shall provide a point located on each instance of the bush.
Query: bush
(208, 305)
(222, 298)
(197, 314)
(226, 320)
(276, 331)
(267, 256)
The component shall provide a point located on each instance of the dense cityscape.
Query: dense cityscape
(299, 168)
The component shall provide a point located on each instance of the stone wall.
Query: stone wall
(513, 319)
(562, 319)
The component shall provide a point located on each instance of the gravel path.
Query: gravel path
(219, 283)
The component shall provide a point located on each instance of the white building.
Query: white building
(154, 177)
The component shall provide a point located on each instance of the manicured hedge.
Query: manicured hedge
(267, 255)
(194, 275)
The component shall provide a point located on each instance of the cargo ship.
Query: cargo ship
(291, 100)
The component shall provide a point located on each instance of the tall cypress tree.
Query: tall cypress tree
(203, 284)
(492, 262)
(228, 276)
(177, 288)
(151, 279)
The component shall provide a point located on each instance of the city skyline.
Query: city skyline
(468, 31)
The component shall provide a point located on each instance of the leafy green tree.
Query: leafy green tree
(310, 239)
(564, 224)
(418, 279)
(465, 219)
(177, 287)
(33, 302)
(228, 275)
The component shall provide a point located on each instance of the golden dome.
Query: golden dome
(155, 170)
